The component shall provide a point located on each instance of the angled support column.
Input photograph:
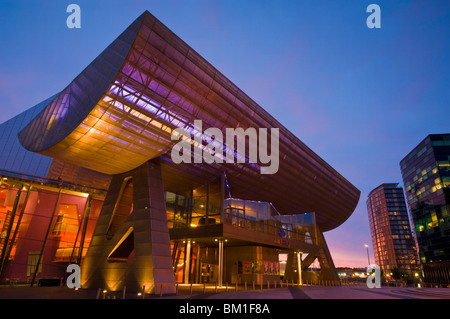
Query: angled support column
(296, 266)
(327, 268)
(131, 244)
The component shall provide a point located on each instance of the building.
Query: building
(392, 240)
(426, 177)
(108, 136)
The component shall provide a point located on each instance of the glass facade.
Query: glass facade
(43, 228)
(392, 239)
(196, 258)
(426, 176)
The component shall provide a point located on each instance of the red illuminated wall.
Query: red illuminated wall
(33, 229)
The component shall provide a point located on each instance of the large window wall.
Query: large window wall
(43, 229)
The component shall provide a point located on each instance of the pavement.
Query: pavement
(198, 292)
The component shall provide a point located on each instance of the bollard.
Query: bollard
(204, 288)
(124, 291)
(176, 290)
(281, 283)
(98, 293)
(161, 291)
(275, 284)
(143, 292)
(245, 286)
(190, 289)
(215, 288)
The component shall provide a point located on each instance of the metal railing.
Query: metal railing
(272, 227)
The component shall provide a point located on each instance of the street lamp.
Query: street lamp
(367, 247)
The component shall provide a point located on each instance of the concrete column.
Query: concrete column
(220, 274)
(299, 266)
(197, 266)
(144, 229)
(187, 263)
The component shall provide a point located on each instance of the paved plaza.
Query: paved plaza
(201, 292)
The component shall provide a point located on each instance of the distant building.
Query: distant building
(392, 239)
(426, 176)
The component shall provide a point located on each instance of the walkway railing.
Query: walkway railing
(271, 227)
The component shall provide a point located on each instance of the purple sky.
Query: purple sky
(360, 98)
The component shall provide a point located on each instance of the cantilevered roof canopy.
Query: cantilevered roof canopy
(121, 110)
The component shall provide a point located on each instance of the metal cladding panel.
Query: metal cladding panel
(163, 84)
(15, 158)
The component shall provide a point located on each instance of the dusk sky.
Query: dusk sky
(360, 98)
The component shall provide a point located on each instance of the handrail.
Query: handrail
(272, 227)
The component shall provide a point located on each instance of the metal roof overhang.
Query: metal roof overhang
(121, 110)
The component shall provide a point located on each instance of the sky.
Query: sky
(360, 98)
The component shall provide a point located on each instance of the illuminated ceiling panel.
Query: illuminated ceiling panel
(121, 110)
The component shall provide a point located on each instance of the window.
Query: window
(33, 258)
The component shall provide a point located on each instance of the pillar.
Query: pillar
(187, 262)
(220, 273)
(130, 245)
(299, 267)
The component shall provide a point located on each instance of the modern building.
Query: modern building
(137, 218)
(426, 177)
(393, 243)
